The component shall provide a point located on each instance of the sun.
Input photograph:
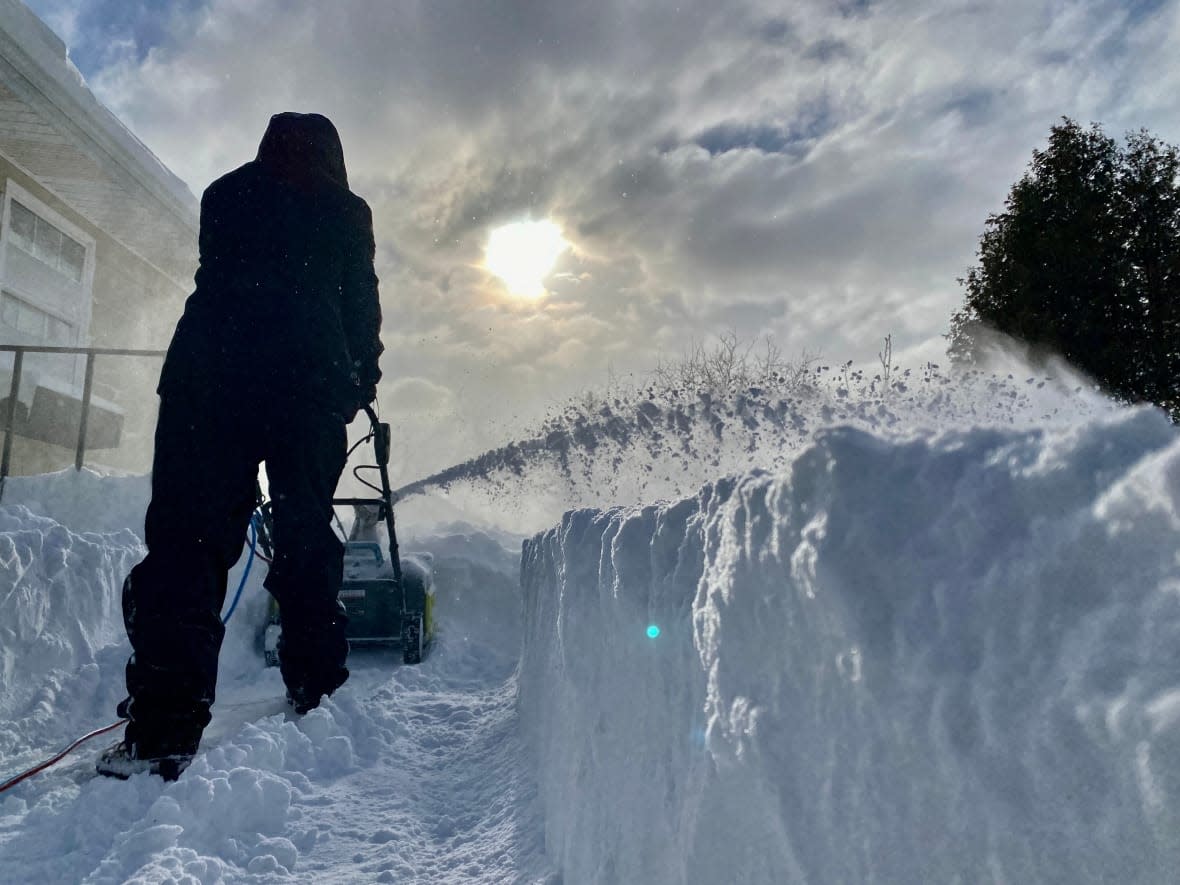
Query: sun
(523, 253)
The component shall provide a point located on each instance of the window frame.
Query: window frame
(83, 308)
(7, 292)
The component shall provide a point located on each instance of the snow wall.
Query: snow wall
(67, 540)
(953, 658)
(60, 599)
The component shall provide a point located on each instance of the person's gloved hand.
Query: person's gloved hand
(366, 389)
(367, 395)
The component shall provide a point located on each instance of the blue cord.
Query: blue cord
(246, 573)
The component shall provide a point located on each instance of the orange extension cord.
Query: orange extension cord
(12, 782)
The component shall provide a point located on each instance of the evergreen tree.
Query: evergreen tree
(1085, 263)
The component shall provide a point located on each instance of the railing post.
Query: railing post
(87, 386)
(10, 420)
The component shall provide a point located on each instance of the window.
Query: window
(31, 324)
(43, 241)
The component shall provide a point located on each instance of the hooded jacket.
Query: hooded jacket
(286, 304)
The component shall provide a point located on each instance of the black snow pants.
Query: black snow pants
(205, 467)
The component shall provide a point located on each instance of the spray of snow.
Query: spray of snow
(632, 446)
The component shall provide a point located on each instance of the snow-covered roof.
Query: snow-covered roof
(81, 151)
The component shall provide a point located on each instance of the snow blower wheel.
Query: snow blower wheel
(412, 639)
(389, 600)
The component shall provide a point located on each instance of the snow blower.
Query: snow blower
(389, 599)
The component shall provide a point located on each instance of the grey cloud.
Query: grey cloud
(977, 107)
(828, 49)
(776, 31)
(854, 8)
(811, 122)
(113, 28)
(767, 138)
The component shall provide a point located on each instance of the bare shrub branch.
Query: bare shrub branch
(732, 363)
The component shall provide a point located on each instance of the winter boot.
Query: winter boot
(161, 744)
(304, 698)
(122, 761)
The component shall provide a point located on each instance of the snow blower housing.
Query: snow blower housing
(389, 600)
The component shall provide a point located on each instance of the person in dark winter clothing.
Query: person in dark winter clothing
(275, 353)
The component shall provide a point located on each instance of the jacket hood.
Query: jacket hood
(303, 146)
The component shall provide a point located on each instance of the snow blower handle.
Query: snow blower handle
(382, 436)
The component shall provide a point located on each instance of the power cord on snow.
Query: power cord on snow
(12, 782)
(36, 769)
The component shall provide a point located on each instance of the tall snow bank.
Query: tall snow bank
(952, 658)
(60, 621)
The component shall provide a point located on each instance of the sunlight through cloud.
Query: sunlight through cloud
(523, 253)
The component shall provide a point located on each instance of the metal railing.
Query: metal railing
(19, 351)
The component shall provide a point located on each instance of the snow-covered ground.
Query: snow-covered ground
(941, 650)
(407, 774)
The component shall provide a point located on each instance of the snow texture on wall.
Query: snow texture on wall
(944, 659)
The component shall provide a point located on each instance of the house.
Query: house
(98, 245)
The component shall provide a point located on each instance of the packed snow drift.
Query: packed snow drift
(936, 637)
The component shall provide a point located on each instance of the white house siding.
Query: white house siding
(79, 169)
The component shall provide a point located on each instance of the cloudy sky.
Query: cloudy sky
(817, 170)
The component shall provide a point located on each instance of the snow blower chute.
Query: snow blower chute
(389, 600)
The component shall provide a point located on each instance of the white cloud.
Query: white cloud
(418, 395)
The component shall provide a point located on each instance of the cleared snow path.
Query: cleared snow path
(408, 774)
